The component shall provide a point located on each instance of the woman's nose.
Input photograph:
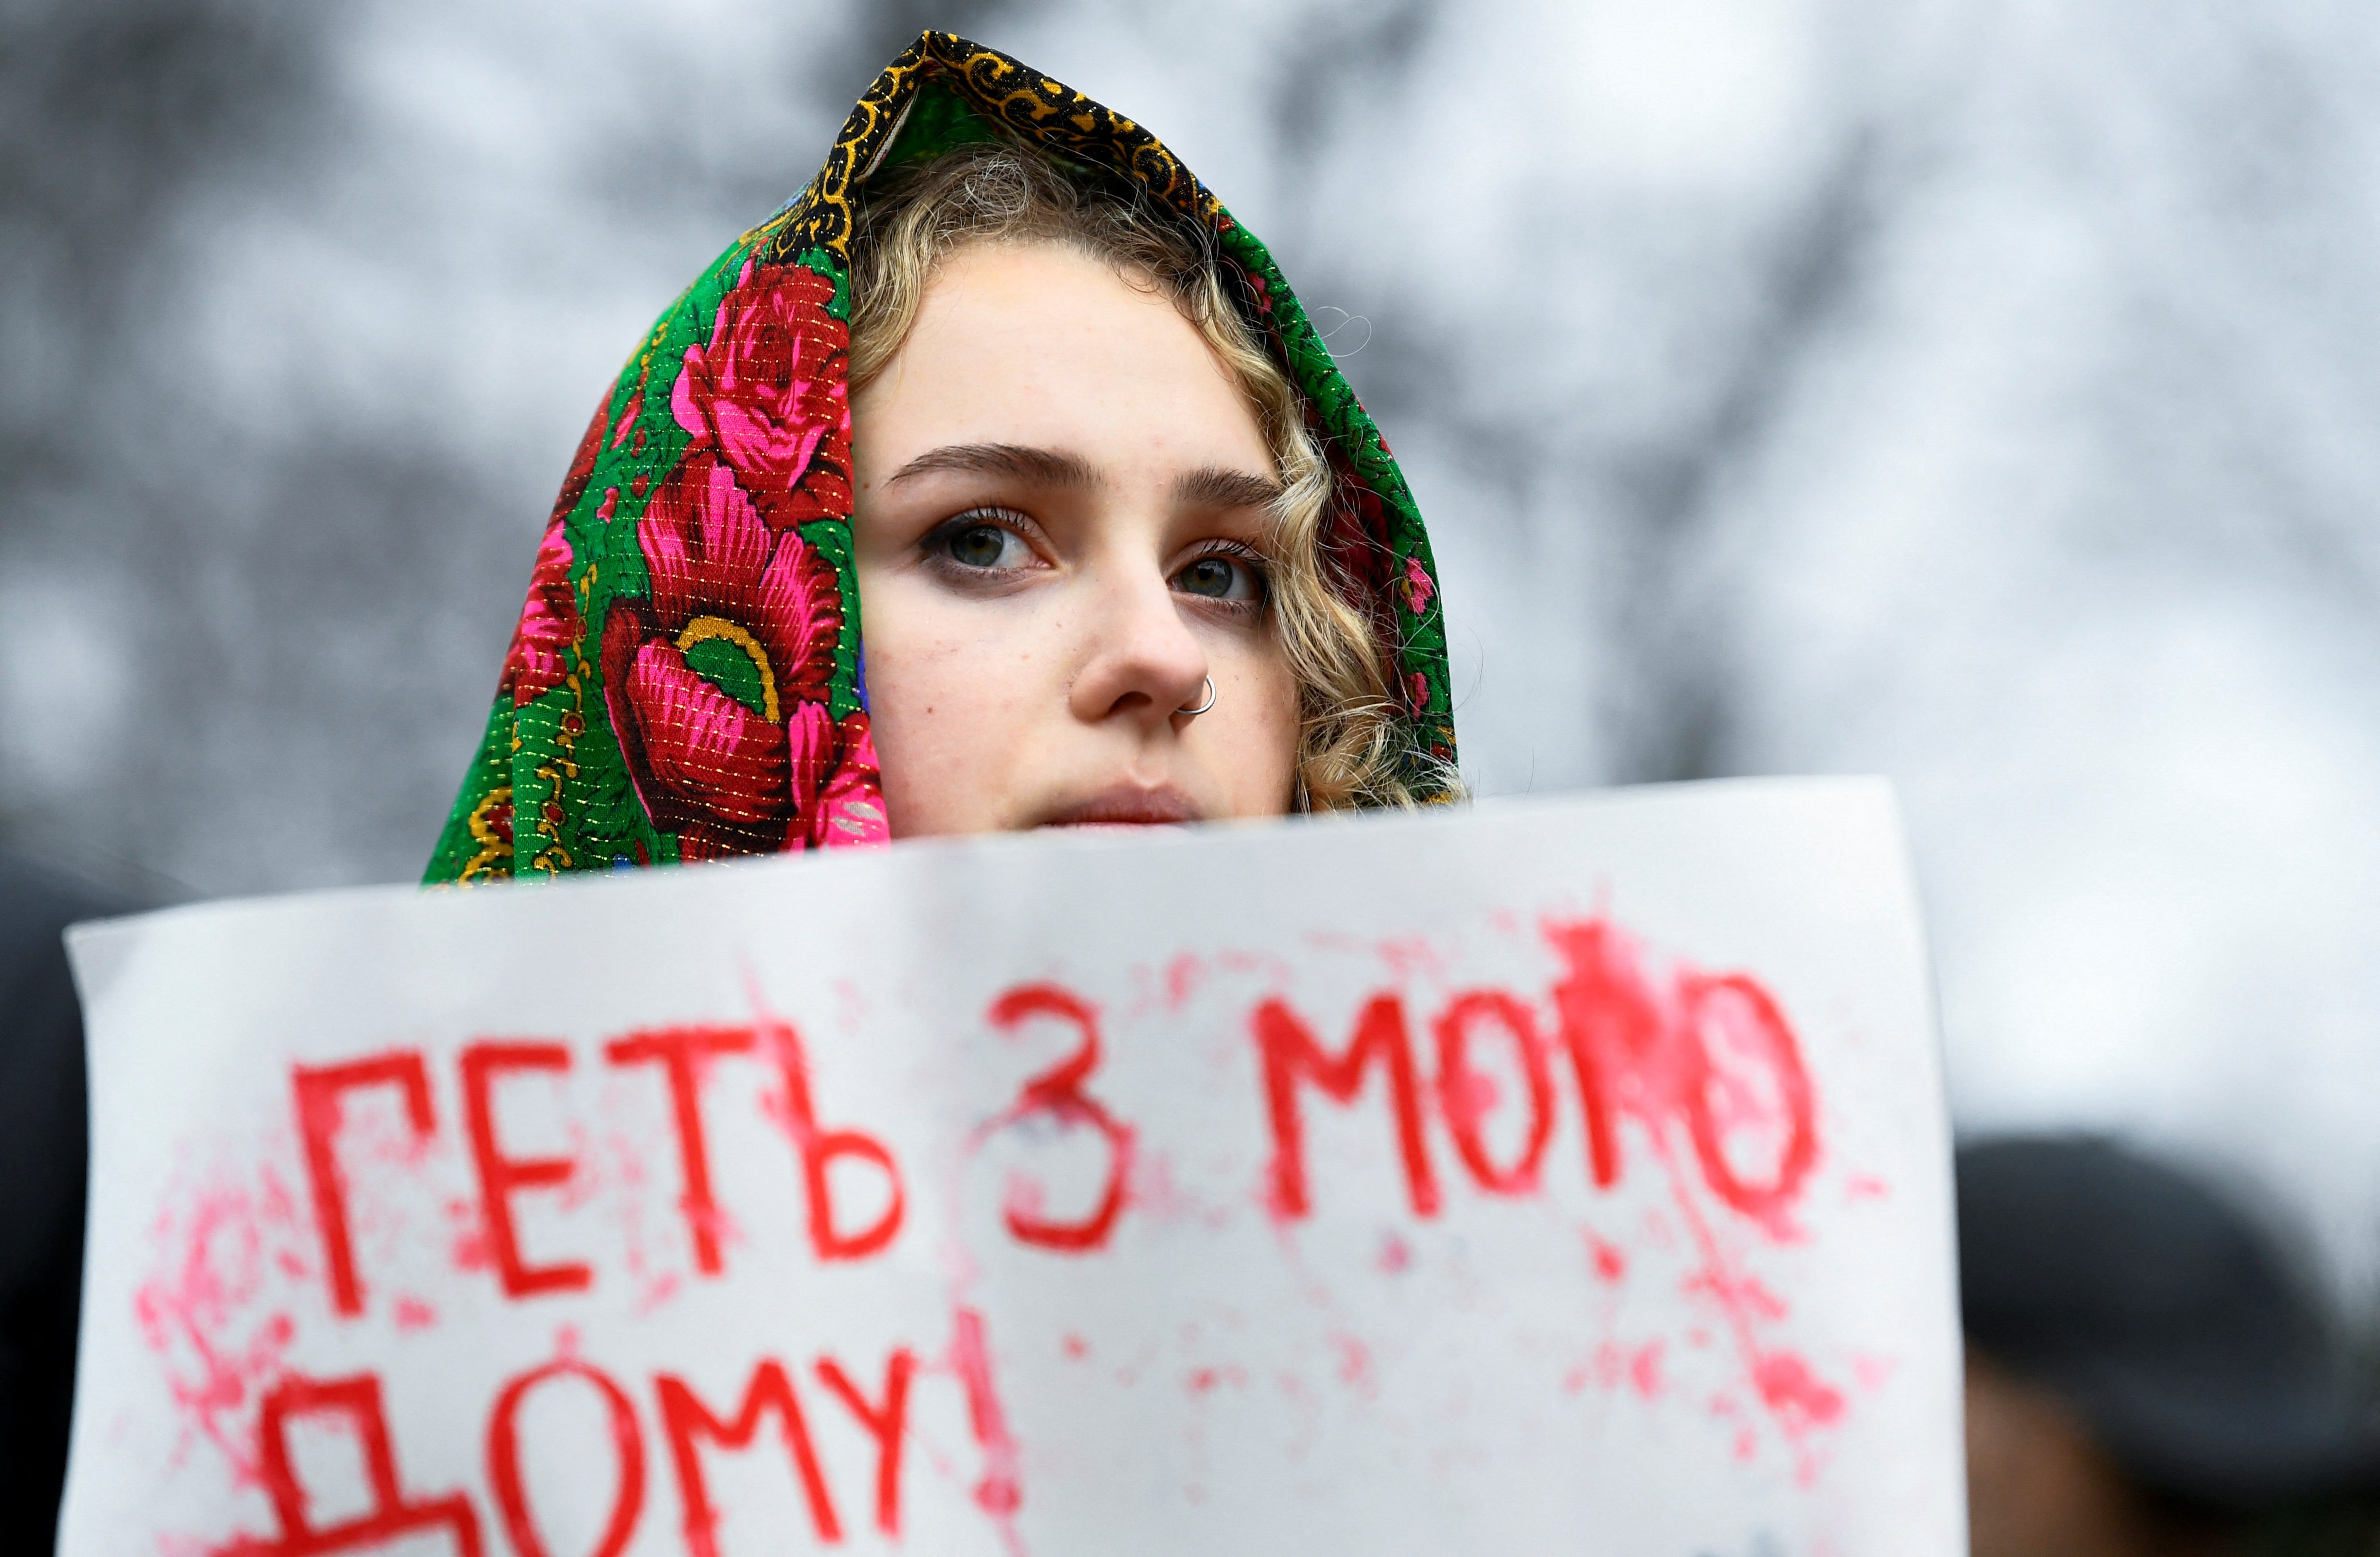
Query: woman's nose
(1142, 661)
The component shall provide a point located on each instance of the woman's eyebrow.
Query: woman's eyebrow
(1211, 486)
(1048, 468)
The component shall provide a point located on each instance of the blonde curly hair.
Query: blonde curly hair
(1352, 736)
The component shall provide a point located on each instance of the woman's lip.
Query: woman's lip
(1127, 808)
(1116, 827)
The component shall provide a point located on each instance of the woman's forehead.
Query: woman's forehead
(1039, 346)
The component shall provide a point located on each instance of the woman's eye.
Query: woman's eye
(981, 546)
(1220, 578)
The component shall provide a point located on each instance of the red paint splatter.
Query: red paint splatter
(1644, 1369)
(1000, 1493)
(412, 1313)
(1355, 1363)
(1873, 1372)
(1182, 977)
(1610, 1263)
(1412, 958)
(1795, 1394)
(1865, 1186)
(1396, 1255)
(1023, 1195)
(1156, 1195)
(1797, 1399)
(651, 1280)
(852, 1009)
(205, 1315)
(1075, 1346)
(1746, 1293)
(1616, 1364)
(467, 1247)
(1711, 1074)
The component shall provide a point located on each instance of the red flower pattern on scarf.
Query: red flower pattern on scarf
(850, 808)
(1415, 586)
(767, 393)
(1355, 551)
(549, 624)
(728, 776)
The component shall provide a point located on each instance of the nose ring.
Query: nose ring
(1195, 712)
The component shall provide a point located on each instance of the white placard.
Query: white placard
(1563, 1176)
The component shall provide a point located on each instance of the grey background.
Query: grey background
(1981, 391)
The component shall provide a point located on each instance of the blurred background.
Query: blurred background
(1979, 392)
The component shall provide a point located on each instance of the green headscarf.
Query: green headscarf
(685, 681)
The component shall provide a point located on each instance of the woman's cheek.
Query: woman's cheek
(917, 705)
(1259, 753)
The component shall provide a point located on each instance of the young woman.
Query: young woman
(1008, 376)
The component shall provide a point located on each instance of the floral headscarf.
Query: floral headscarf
(687, 680)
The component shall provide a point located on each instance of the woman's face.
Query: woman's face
(1061, 498)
